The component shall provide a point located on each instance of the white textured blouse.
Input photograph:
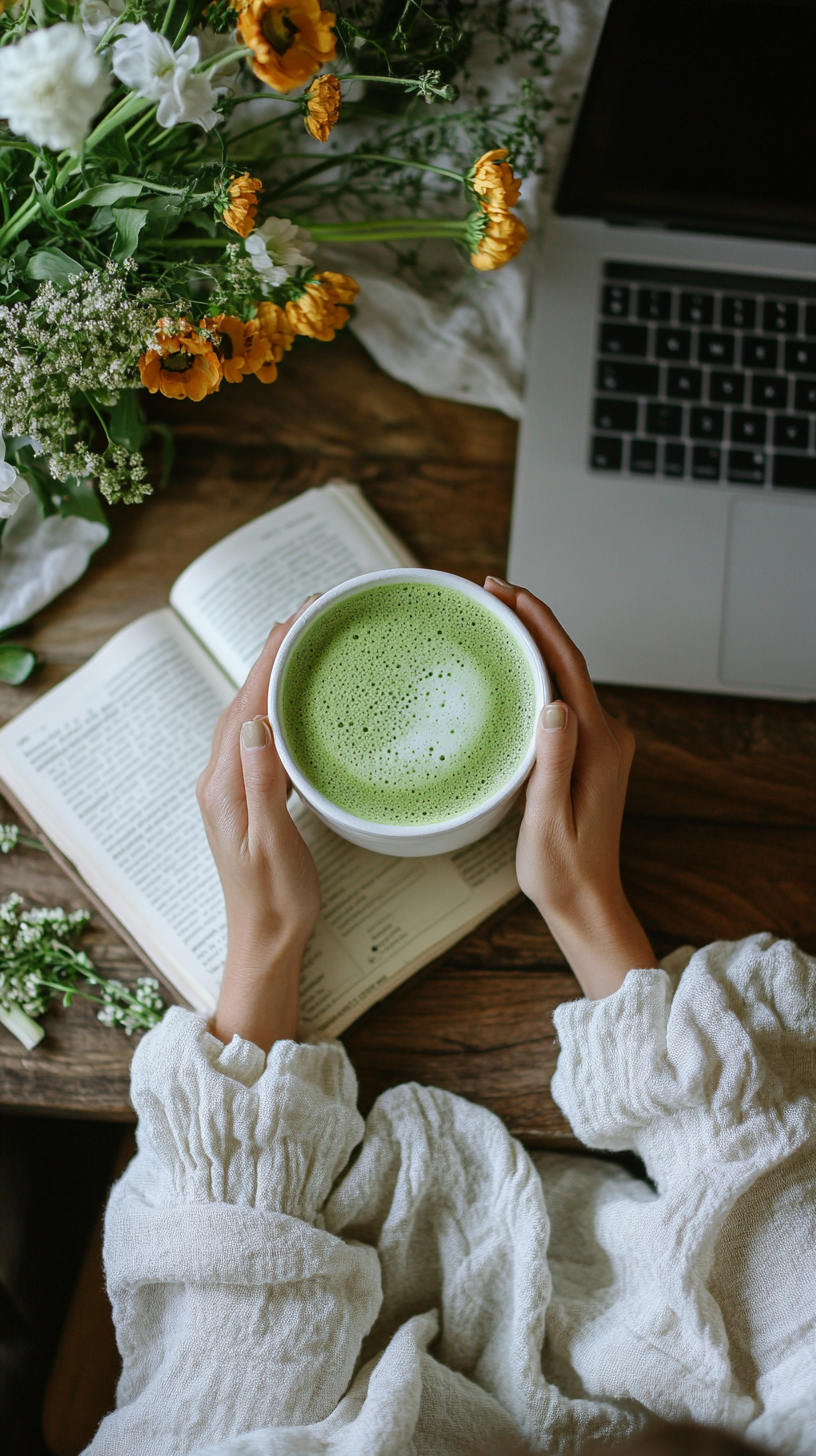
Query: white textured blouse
(287, 1278)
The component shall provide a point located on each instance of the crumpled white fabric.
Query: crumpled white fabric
(288, 1279)
(40, 558)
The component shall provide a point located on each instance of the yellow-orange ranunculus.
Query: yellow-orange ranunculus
(239, 214)
(183, 365)
(240, 346)
(322, 308)
(290, 40)
(322, 106)
(279, 337)
(503, 240)
(495, 183)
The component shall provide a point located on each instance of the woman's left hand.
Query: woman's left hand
(270, 884)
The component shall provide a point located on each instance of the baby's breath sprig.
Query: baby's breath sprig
(39, 960)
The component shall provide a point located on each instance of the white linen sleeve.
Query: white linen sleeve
(234, 1308)
(713, 1066)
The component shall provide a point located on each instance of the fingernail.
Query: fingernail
(500, 581)
(255, 734)
(307, 602)
(554, 717)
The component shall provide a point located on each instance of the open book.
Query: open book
(106, 765)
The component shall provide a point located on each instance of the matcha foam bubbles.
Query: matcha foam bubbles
(407, 704)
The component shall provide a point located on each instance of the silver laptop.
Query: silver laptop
(665, 501)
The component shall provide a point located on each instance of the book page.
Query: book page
(383, 917)
(107, 763)
(233, 594)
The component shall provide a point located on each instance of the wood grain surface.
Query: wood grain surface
(720, 834)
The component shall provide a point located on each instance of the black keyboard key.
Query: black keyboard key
(673, 344)
(716, 349)
(797, 472)
(628, 378)
(726, 388)
(792, 432)
(631, 339)
(746, 467)
(759, 353)
(779, 317)
(800, 358)
(643, 457)
(616, 300)
(684, 383)
(738, 313)
(810, 319)
(654, 305)
(806, 394)
(769, 391)
(706, 424)
(664, 419)
(705, 462)
(748, 429)
(616, 414)
(607, 453)
(696, 308)
(674, 460)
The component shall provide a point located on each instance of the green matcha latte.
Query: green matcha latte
(407, 704)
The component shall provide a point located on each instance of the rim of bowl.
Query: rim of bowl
(353, 587)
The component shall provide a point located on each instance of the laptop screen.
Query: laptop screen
(700, 114)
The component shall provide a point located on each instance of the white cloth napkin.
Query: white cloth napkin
(40, 558)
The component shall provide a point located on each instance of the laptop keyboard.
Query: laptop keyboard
(705, 377)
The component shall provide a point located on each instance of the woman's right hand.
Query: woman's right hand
(568, 858)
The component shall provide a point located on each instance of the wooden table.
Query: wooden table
(720, 834)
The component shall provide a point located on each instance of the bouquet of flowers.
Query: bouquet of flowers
(168, 170)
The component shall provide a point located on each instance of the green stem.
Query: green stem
(15, 1020)
(30, 843)
(182, 30)
(260, 125)
(221, 56)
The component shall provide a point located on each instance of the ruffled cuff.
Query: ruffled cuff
(698, 1062)
(230, 1125)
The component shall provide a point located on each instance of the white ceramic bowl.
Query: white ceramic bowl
(408, 839)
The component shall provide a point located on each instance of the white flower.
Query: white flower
(12, 486)
(226, 78)
(148, 64)
(278, 249)
(97, 18)
(51, 86)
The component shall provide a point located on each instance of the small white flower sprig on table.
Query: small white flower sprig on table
(160, 205)
(39, 960)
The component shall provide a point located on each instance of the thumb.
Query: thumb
(549, 785)
(264, 776)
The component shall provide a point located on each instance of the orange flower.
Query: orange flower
(241, 347)
(492, 178)
(322, 107)
(503, 239)
(321, 309)
(291, 39)
(278, 336)
(182, 365)
(240, 212)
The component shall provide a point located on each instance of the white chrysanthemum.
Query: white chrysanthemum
(51, 86)
(148, 64)
(278, 249)
(13, 488)
(97, 18)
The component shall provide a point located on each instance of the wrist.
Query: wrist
(602, 939)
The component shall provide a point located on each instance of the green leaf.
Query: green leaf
(54, 264)
(106, 194)
(81, 500)
(168, 439)
(16, 663)
(126, 424)
(129, 223)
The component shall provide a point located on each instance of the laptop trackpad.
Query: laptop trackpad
(768, 634)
